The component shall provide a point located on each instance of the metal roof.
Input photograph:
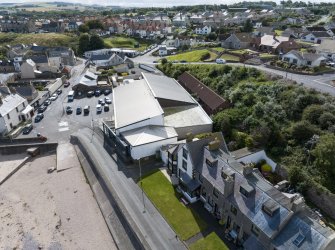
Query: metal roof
(134, 102)
(167, 88)
(9, 103)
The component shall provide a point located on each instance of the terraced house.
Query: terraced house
(255, 214)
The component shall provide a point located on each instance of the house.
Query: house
(254, 213)
(14, 109)
(18, 50)
(261, 31)
(162, 50)
(17, 26)
(197, 19)
(29, 69)
(292, 32)
(160, 113)
(327, 49)
(304, 59)
(274, 44)
(61, 56)
(180, 20)
(237, 41)
(106, 60)
(43, 64)
(88, 81)
(315, 36)
(7, 66)
(202, 30)
(207, 98)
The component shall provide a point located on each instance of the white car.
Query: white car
(53, 97)
(108, 100)
(220, 61)
(99, 108)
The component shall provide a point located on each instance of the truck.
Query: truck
(70, 96)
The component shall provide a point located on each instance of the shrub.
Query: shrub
(266, 168)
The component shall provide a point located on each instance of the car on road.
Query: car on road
(78, 110)
(54, 97)
(41, 109)
(155, 61)
(86, 110)
(39, 117)
(69, 110)
(97, 93)
(99, 108)
(59, 91)
(330, 64)
(220, 61)
(90, 93)
(26, 130)
(107, 91)
(183, 61)
(108, 100)
(47, 103)
(106, 108)
(66, 84)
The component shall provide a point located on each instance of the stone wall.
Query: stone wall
(327, 199)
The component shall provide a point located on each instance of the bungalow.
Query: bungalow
(237, 41)
(315, 37)
(275, 44)
(103, 60)
(202, 30)
(304, 59)
(327, 49)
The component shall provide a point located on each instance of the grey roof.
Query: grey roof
(134, 102)
(167, 88)
(327, 46)
(305, 56)
(101, 57)
(39, 59)
(191, 184)
(240, 153)
(9, 103)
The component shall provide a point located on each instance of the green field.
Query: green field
(229, 57)
(183, 220)
(44, 39)
(211, 241)
(267, 55)
(126, 42)
(193, 56)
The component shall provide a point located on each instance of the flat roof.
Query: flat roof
(164, 87)
(185, 116)
(134, 102)
(148, 134)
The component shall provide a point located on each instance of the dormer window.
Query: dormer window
(246, 190)
(270, 207)
(211, 162)
(299, 239)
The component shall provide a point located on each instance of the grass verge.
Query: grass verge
(211, 241)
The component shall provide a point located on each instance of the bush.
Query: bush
(205, 56)
(266, 168)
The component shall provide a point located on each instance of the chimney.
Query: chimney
(228, 180)
(214, 145)
(247, 169)
(298, 204)
(189, 137)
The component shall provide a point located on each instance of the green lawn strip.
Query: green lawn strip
(279, 32)
(126, 42)
(192, 56)
(219, 49)
(229, 57)
(183, 220)
(211, 241)
(266, 55)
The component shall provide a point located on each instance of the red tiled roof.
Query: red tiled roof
(205, 94)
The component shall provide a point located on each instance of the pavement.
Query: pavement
(9, 164)
(149, 222)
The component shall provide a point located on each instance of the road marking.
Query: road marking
(63, 129)
(63, 124)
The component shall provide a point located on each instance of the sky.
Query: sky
(149, 3)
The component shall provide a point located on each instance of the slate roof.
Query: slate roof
(244, 37)
(305, 56)
(101, 57)
(321, 34)
(39, 59)
(327, 46)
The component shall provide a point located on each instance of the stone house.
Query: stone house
(237, 41)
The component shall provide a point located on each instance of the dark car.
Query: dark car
(47, 102)
(97, 93)
(106, 108)
(59, 91)
(90, 93)
(107, 92)
(41, 109)
(183, 61)
(39, 117)
(69, 110)
(26, 130)
(78, 110)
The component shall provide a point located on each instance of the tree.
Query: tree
(94, 24)
(303, 131)
(84, 43)
(96, 42)
(312, 113)
(326, 120)
(83, 28)
(324, 153)
(248, 27)
(164, 61)
(211, 36)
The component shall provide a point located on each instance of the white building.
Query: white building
(303, 59)
(110, 59)
(13, 110)
(28, 69)
(203, 30)
(162, 50)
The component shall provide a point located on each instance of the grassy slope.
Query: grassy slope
(229, 57)
(211, 241)
(182, 219)
(192, 56)
(126, 42)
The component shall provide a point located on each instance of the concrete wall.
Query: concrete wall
(156, 120)
(27, 71)
(256, 157)
(56, 85)
(182, 131)
(22, 148)
(14, 116)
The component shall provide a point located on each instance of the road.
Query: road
(320, 82)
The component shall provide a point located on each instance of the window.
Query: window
(309, 63)
(233, 209)
(299, 239)
(286, 59)
(24, 105)
(295, 61)
(19, 118)
(185, 153)
(17, 110)
(255, 230)
(8, 117)
(184, 165)
(216, 193)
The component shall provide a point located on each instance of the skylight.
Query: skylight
(299, 239)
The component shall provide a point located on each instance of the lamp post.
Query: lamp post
(139, 163)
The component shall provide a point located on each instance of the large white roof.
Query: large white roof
(270, 40)
(134, 102)
(167, 88)
(149, 134)
(9, 103)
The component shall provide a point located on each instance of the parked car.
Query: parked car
(69, 110)
(54, 97)
(86, 110)
(100, 101)
(90, 93)
(97, 93)
(47, 103)
(39, 117)
(107, 92)
(106, 108)
(66, 84)
(41, 109)
(78, 110)
(330, 64)
(183, 61)
(108, 100)
(220, 61)
(59, 91)
(26, 130)
(99, 108)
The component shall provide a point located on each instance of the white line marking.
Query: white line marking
(63, 129)
(63, 124)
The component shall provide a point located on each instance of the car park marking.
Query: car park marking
(63, 129)
(63, 124)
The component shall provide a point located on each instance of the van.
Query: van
(70, 96)
(86, 110)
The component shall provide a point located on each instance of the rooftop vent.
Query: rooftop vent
(270, 207)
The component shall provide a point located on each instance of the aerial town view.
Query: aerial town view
(167, 125)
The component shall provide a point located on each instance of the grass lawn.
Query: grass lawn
(183, 220)
(192, 56)
(229, 57)
(219, 49)
(279, 32)
(44, 39)
(267, 55)
(126, 42)
(211, 241)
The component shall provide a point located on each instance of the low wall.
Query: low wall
(22, 148)
(327, 199)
